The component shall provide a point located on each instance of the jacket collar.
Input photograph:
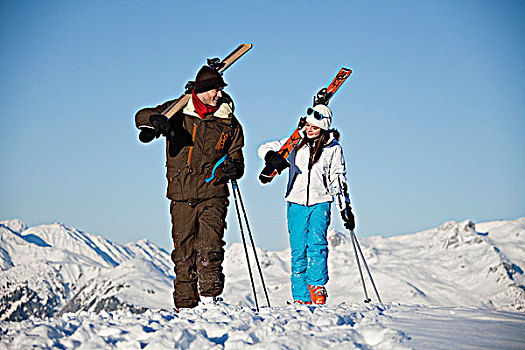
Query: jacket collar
(331, 139)
(225, 110)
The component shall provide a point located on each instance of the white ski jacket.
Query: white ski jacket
(326, 179)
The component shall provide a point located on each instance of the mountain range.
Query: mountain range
(52, 270)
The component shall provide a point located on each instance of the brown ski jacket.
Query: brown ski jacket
(195, 145)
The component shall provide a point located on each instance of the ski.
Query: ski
(215, 63)
(269, 172)
(322, 97)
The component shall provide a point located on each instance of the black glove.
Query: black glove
(232, 170)
(276, 160)
(146, 134)
(348, 217)
(160, 123)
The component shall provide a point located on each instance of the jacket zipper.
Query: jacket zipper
(193, 137)
(308, 187)
(190, 152)
(309, 172)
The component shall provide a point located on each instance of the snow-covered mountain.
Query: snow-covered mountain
(51, 270)
(455, 264)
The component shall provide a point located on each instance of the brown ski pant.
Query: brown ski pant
(198, 232)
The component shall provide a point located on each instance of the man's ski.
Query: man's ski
(323, 97)
(216, 63)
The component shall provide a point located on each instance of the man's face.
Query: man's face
(210, 97)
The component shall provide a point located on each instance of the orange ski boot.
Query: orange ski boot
(318, 294)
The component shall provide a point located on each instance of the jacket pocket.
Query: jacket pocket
(174, 184)
(217, 139)
(172, 174)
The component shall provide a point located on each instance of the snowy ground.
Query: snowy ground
(458, 286)
(290, 327)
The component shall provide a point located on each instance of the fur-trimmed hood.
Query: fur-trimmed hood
(225, 110)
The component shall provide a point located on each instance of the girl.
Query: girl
(317, 174)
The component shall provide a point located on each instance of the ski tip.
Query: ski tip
(247, 46)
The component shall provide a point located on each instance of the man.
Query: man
(197, 137)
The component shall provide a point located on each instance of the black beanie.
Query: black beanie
(208, 79)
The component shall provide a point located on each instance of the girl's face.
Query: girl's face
(312, 131)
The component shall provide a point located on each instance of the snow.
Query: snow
(458, 286)
(343, 326)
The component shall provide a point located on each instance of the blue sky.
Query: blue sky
(432, 119)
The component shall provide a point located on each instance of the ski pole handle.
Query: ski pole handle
(214, 170)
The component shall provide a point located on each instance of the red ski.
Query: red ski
(323, 97)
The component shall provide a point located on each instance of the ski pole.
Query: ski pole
(235, 186)
(367, 269)
(244, 244)
(367, 299)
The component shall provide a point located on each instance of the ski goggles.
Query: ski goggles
(316, 114)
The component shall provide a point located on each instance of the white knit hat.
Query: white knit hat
(320, 116)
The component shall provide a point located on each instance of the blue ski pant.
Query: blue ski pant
(308, 226)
